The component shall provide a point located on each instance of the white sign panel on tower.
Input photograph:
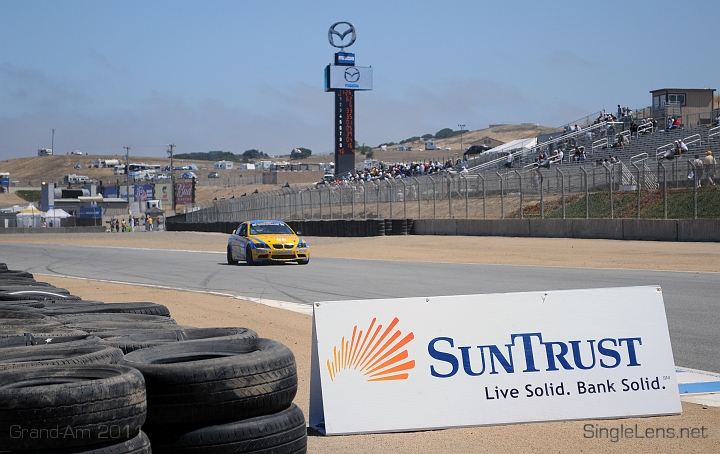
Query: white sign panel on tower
(427, 363)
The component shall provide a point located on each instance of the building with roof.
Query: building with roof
(694, 105)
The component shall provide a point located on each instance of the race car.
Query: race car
(266, 241)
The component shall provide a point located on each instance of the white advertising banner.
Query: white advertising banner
(349, 77)
(427, 363)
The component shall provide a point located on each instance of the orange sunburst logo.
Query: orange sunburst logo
(377, 355)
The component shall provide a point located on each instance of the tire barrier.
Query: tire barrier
(112, 317)
(83, 401)
(139, 340)
(28, 340)
(239, 380)
(90, 374)
(129, 308)
(284, 429)
(332, 228)
(58, 355)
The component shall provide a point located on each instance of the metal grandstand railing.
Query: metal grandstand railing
(644, 176)
(520, 156)
(714, 133)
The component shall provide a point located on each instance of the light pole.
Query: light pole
(52, 146)
(172, 174)
(127, 177)
(461, 137)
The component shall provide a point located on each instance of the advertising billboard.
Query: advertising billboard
(348, 78)
(183, 193)
(164, 193)
(452, 361)
(110, 192)
(143, 192)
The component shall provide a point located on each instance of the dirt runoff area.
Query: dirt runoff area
(295, 330)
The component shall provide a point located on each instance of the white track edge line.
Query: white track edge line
(305, 309)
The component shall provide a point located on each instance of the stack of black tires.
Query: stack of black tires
(80, 376)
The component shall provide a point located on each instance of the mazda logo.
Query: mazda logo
(352, 75)
(333, 32)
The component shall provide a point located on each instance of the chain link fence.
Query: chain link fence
(644, 188)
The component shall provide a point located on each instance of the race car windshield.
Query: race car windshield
(270, 229)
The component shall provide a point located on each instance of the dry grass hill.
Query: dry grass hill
(32, 171)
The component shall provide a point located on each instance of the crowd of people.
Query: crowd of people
(147, 221)
(383, 171)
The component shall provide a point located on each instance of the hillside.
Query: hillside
(504, 134)
(32, 171)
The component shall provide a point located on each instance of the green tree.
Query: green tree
(300, 153)
(427, 136)
(370, 153)
(254, 154)
(444, 133)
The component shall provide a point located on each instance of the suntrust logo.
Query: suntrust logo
(378, 356)
(534, 352)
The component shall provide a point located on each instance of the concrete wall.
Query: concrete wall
(612, 229)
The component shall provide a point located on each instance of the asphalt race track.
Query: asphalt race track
(691, 299)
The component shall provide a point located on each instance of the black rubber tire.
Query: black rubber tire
(22, 304)
(278, 433)
(34, 294)
(137, 341)
(21, 313)
(128, 308)
(112, 317)
(140, 444)
(97, 327)
(71, 303)
(230, 259)
(35, 286)
(17, 273)
(249, 257)
(215, 381)
(39, 332)
(303, 262)
(30, 340)
(88, 399)
(58, 355)
(40, 326)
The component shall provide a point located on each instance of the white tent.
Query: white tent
(29, 217)
(514, 146)
(54, 216)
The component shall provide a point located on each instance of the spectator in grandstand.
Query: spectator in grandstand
(620, 112)
(620, 142)
(697, 162)
(633, 129)
(576, 155)
(673, 123)
(709, 167)
(614, 159)
(509, 161)
(715, 122)
(683, 147)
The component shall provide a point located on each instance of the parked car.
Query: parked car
(475, 149)
(188, 175)
(213, 175)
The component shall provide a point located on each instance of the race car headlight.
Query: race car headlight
(260, 244)
(302, 243)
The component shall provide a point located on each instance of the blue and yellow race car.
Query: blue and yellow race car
(266, 241)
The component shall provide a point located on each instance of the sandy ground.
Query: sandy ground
(294, 330)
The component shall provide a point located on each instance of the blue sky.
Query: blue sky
(236, 75)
